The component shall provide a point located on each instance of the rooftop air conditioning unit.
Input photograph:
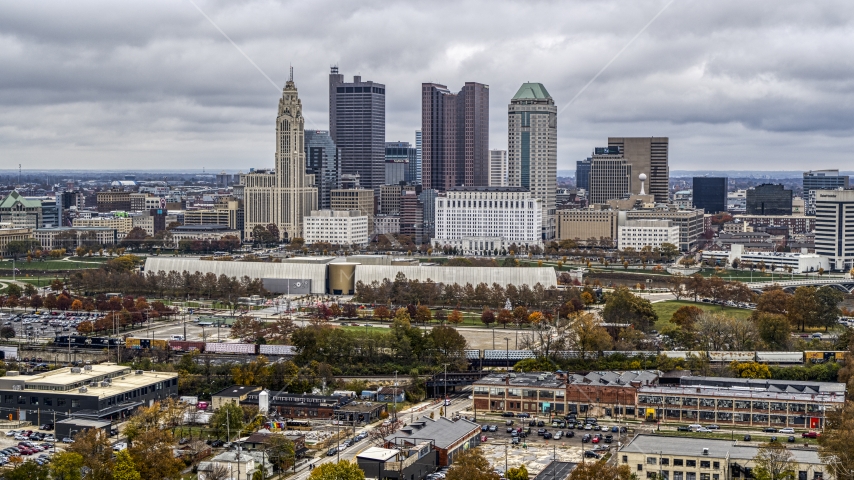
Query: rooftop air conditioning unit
(705, 451)
(138, 372)
(75, 370)
(88, 368)
(105, 384)
(82, 389)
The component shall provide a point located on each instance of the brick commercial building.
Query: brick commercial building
(607, 393)
(449, 438)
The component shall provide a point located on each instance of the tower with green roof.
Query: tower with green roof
(532, 148)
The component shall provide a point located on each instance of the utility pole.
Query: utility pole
(507, 352)
(394, 393)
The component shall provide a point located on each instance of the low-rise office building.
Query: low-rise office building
(408, 462)
(447, 437)
(344, 227)
(534, 393)
(234, 394)
(784, 262)
(638, 234)
(8, 235)
(686, 458)
(70, 238)
(121, 224)
(202, 232)
(105, 391)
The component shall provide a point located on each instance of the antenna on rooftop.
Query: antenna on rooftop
(291, 78)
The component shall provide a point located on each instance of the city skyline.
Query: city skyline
(126, 92)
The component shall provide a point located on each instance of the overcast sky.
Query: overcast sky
(154, 85)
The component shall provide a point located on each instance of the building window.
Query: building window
(705, 464)
(716, 465)
(75, 403)
(677, 462)
(665, 461)
(691, 463)
(651, 461)
(640, 467)
(34, 400)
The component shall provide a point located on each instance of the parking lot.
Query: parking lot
(543, 432)
(28, 448)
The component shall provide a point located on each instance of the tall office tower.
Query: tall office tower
(647, 155)
(417, 168)
(532, 148)
(412, 215)
(821, 180)
(399, 158)
(357, 126)
(582, 174)
(834, 227)
(710, 194)
(498, 168)
(284, 196)
(769, 199)
(323, 160)
(455, 136)
(610, 176)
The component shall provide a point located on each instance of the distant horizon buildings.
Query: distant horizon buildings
(455, 136)
(532, 149)
(357, 126)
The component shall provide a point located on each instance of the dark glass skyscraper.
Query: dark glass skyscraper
(769, 199)
(357, 126)
(455, 136)
(710, 194)
(404, 155)
(582, 174)
(323, 160)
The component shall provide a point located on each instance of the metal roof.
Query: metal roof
(655, 445)
(443, 432)
(532, 91)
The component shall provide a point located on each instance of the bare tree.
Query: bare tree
(674, 285)
(217, 471)
(377, 435)
(774, 462)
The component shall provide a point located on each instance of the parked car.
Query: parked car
(507, 414)
(810, 435)
(713, 427)
(547, 435)
(523, 415)
(591, 454)
(569, 434)
(683, 428)
(747, 438)
(788, 430)
(791, 439)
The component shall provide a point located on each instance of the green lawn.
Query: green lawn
(47, 265)
(665, 310)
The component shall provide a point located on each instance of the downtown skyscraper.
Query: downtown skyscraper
(283, 196)
(532, 148)
(648, 156)
(454, 136)
(357, 126)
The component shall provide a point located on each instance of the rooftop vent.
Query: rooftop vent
(75, 370)
(82, 389)
(105, 384)
(138, 372)
(88, 368)
(705, 451)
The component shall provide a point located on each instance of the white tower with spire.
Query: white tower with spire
(642, 178)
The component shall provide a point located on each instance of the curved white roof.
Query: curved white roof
(462, 275)
(316, 272)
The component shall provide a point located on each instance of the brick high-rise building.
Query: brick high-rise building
(647, 155)
(357, 126)
(455, 136)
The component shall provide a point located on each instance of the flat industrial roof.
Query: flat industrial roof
(546, 380)
(377, 453)
(122, 379)
(693, 447)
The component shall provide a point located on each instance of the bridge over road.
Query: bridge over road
(843, 284)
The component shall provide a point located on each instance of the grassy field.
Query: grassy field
(665, 310)
(47, 265)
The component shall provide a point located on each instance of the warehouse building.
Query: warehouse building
(338, 276)
(685, 458)
(106, 391)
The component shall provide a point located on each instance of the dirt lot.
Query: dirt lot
(482, 338)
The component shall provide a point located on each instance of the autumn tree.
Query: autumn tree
(621, 306)
(471, 465)
(66, 466)
(753, 370)
(836, 444)
(504, 317)
(600, 471)
(774, 301)
(773, 461)
(343, 470)
(94, 446)
(487, 317)
(151, 455)
(586, 336)
(280, 451)
(125, 469)
(696, 285)
(382, 313)
(227, 421)
(774, 330)
(423, 314)
(518, 473)
(675, 284)
(456, 317)
(27, 471)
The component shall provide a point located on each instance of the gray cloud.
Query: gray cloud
(152, 84)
